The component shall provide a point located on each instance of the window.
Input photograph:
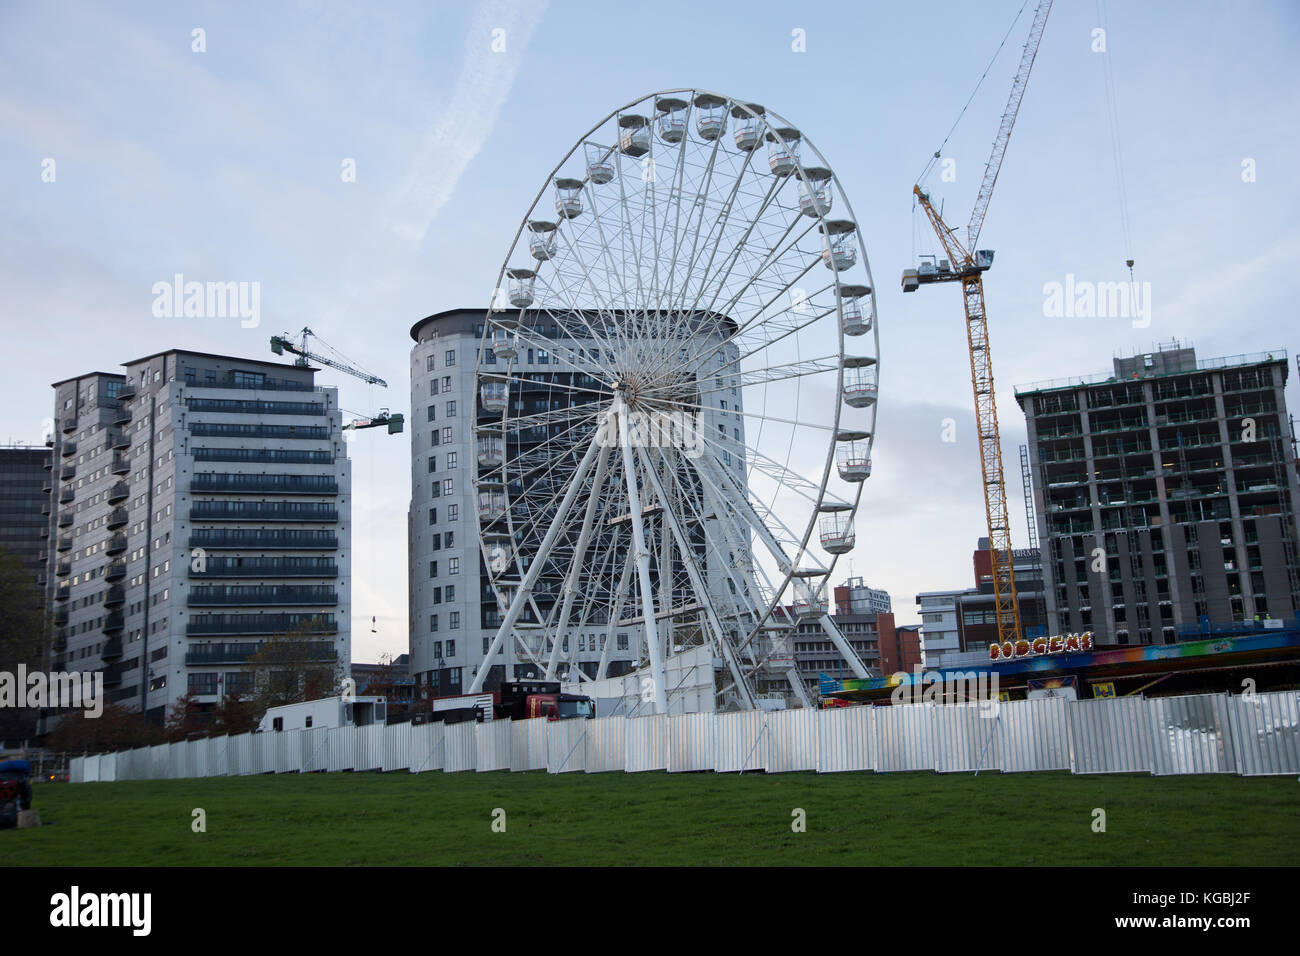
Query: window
(450, 358)
(433, 629)
(622, 642)
(433, 413)
(542, 357)
(277, 723)
(433, 516)
(451, 409)
(451, 646)
(428, 363)
(436, 542)
(433, 569)
(307, 723)
(447, 539)
(437, 595)
(453, 512)
(433, 463)
(453, 565)
(437, 647)
(433, 438)
(446, 435)
(446, 383)
(448, 486)
(453, 620)
(435, 489)
(451, 459)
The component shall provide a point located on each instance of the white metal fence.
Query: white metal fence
(1252, 736)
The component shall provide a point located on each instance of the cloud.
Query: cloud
(485, 80)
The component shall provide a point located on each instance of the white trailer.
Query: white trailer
(326, 712)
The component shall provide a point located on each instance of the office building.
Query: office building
(25, 485)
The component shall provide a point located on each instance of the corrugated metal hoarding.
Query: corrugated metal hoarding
(647, 744)
(217, 756)
(397, 747)
(315, 747)
(1265, 733)
(528, 745)
(177, 755)
(690, 743)
(492, 745)
(90, 768)
(159, 764)
(1191, 734)
(108, 768)
(566, 746)
(430, 743)
(791, 741)
(1033, 735)
(342, 748)
(739, 741)
(902, 737)
(1110, 735)
(605, 744)
(844, 739)
(370, 747)
(961, 734)
(236, 748)
(460, 752)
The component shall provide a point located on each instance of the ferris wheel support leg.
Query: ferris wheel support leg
(570, 584)
(619, 601)
(642, 558)
(846, 650)
(843, 646)
(535, 569)
(701, 592)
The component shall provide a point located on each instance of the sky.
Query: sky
(215, 142)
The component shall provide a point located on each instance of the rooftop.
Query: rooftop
(1103, 378)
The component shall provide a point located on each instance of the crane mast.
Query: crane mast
(967, 265)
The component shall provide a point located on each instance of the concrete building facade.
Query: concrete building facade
(1165, 495)
(202, 504)
(25, 485)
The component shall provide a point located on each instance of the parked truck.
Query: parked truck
(516, 700)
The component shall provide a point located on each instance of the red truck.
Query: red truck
(516, 700)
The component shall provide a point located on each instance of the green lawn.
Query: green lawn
(621, 819)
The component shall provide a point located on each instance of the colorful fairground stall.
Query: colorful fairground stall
(1239, 657)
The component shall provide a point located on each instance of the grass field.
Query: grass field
(647, 819)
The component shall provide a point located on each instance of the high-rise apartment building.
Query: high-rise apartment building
(25, 485)
(201, 504)
(1165, 495)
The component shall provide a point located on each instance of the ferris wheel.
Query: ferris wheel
(677, 388)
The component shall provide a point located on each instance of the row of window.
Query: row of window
(448, 360)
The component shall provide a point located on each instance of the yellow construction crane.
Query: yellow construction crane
(967, 265)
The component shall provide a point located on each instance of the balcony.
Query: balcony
(64, 543)
(115, 596)
(116, 518)
(261, 624)
(67, 472)
(114, 621)
(119, 492)
(267, 568)
(122, 416)
(119, 438)
(60, 640)
(116, 543)
(65, 519)
(282, 539)
(263, 511)
(46, 508)
(255, 595)
(126, 392)
(67, 494)
(69, 448)
(116, 571)
(68, 425)
(63, 568)
(112, 677)
(60, 617)
(266, 484)
(237, 652)
(121, 464)
(254, 406)
(112, 649)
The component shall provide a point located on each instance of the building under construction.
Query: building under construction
(1165, 496)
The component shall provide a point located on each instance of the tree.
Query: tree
(234, 715)
(294, 667)
(24, 639)
(115, 729)
(186, 719)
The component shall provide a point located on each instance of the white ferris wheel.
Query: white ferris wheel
(677, 397)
